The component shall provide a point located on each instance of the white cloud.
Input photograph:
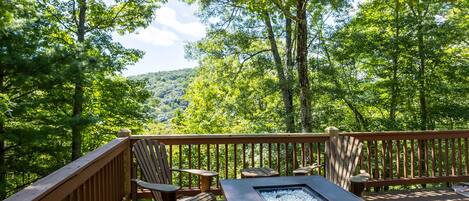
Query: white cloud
(156, 36)
(167, 16)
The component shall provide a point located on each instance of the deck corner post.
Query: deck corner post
(125, 132)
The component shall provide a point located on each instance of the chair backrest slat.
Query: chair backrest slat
(343, 153)
(152, 159)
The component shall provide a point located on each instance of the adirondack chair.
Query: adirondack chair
(153, 161)
(343, 153)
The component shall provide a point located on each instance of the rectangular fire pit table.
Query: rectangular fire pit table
(263, 189)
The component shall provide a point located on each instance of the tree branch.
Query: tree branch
(112, 21)
(245, 60)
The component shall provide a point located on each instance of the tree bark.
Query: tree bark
(287, 95)
(395, 67)
(3, 169)
(302, 62)
(288, 47)
(422, 88)
(78, 96)
(421, 81)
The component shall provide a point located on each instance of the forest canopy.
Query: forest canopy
(264, 67)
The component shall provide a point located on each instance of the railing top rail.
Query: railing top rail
(41, 188)
(297, 137)
(235, 138)
(409, 135)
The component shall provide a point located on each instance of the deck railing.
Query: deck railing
(391, 158)
(100, 175)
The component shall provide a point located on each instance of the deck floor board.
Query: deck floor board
(415, 195)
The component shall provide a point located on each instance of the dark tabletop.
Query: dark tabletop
(243, 189)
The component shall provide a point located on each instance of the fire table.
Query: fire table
(293, 188)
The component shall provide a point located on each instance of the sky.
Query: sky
(163, 41)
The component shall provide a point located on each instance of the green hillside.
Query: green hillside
(167, 88)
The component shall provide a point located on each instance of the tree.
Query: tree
(90, 23)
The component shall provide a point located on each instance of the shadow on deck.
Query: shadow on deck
(416, 195)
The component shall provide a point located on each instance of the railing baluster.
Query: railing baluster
(226, 161)
(419, 156)
(278, 157)
(170, 156)
(453, 158)
(319, 157)
(189, 156)
(180, 165)
(412, 153)
(440, 160)
(459, 157)
(398, 158)
(466, 151)
(208, 156)
(447, 156)
(390, 150)
(405, 158)
(235, 153)
(294, 157)
(368, 156)
(244, 156)
(383, 158)
(426, 162)
(270, 155)
(286, 159)
(433, 157)
(198, 164)
(261, 162)
(311, 160)
(303, 154)
(217, 164)
(252, 155)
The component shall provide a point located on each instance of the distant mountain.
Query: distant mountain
(167, 88)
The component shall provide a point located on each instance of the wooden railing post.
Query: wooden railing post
(127, 165)
(332, 132)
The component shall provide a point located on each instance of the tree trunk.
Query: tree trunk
(78, 96)
(395, 67)
(289, 48)
(422, 91)
(302, 62)
(3, 169)
(421, 81)
(287, 95)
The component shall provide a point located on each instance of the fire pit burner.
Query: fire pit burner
(289, 193)
(315, 188)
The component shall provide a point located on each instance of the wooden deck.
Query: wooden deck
(415, 195)
(392, 158)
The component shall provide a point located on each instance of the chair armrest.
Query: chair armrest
(307, 169)
(165, 188)
(360, 178)
(204, 173)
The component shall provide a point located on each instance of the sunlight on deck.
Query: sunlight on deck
(416, 195)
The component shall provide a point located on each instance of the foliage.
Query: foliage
(167, 89)
(40, 64)
(392, 65)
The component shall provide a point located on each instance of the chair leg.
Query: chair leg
(206, 182)
(168, 196)
(357, 188)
